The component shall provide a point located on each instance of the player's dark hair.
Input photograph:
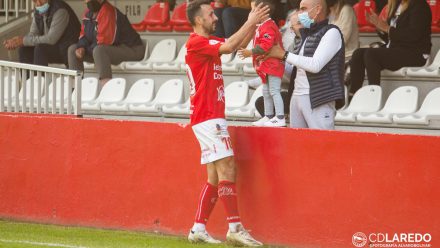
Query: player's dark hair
(269, 3)
(194, 9)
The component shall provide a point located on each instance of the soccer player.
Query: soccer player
(204, 69)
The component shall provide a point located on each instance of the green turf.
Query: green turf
(13, 232)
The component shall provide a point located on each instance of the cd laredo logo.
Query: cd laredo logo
(359, 239)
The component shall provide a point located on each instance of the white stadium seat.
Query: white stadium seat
(237, 63)
(236, 94)
(177, 65)
(177, 109)
(433, 70)
(89, 90)
(37, 92)
(247, 111)
(58, 93)
(430, 108)
(112, 91)
(142, 91)
(226, 58)
(402, 100)
(171, 92)
(6, 89)
(367, 99)
(163, 52)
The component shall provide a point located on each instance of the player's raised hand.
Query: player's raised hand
(259, 14)
(244, 53)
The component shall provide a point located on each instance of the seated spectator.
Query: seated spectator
(407, 34)
(54, 28)
(231, 15)
(343, 16)
(106, 39)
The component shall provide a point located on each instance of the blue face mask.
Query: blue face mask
(305, 20)
(43, 8)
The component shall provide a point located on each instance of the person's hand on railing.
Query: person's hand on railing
(79, 52)
(13, 43)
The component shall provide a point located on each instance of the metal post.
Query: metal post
(62, 93)
(2, 89)
(54, 93)
(9, 104)
(38, 87)
(6, 11)
(24, 88)
(77, 110)
(69, 96)
(46, 93)
(17, 93)
(16, 8)
(31, 90)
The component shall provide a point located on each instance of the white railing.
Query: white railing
(17, 7)
(39, 89)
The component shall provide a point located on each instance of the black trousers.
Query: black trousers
(42, 54)
(374, 60)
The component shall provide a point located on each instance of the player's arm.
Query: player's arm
(255, 16)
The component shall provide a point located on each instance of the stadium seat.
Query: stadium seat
(249, 69)
(66, 89)
(171, 92)
(367, 99)
(36, 94)
(178, 19)
(6, 89)
(177, 109)
(177, 65)
(142, 91)
(247, 111)
(112, 91)
(430, 108)
(226, 58)
(237, 63)
(402, 100)
(236, 94)
(164, 52)
(89, 90)
(432, 70)
(156, 19)
(361, 8)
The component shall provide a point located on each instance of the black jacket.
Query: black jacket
(413, 28)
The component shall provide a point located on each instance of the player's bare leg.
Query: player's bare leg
(227, 193)
(208, 198)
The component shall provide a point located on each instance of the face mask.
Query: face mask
(305, 20)
(93, 5)
(43, 8)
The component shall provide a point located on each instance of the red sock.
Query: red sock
(228, 195)
(208, 198)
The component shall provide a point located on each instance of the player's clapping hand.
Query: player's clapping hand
(244, 53)
(258, 14)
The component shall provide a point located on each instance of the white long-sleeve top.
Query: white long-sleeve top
(330, 44)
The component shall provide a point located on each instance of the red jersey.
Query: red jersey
(266, 36)
(204, 70)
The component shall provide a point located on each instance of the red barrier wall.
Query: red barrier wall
(306, 188)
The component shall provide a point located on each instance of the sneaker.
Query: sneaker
(260, 122)
(241, 238)
(275, 122)
(201, 237)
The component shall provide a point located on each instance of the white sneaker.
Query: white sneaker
(241, 238)
(275, 122)
(201, 237)
(260, 122)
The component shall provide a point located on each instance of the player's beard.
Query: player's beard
(210, 29)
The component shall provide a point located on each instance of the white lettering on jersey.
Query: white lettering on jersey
(221, 94)
(213, 42)
(192, 84)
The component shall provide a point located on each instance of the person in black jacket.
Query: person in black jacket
(54, 28)
(407, 34)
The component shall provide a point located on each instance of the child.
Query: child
(270, 70)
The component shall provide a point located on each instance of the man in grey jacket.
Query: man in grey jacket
(54, 28)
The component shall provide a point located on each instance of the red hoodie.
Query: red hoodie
(266, 36)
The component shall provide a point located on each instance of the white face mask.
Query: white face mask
(305, 19)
